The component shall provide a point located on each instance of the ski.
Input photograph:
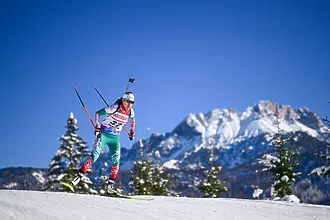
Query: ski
(128, 197)
(68, 185)
(117, 195)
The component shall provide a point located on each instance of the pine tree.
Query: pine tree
(141, 176)
(65, 163)
(211, 186)
(282, 165)
(141, 183)
(160, 184)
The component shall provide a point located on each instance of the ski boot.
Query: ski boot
(110, 188)
(74, 182)
(77, 178)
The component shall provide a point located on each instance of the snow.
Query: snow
(193, 121)
(193, 166)
(71, 116)
(257, 193)
(285, 178)
(157, 154)
(169, 143)
(269, 137)
(320, 170)
(60, 176)
(60, 152)
(266, 160)
(10, 185)
(198, 147)
(289, 198)
(171, 164)
(31, 205)
(229, 130)
(255, 127)
(39, 177)
(297, 126)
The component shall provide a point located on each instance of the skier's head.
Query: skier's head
(128, 99)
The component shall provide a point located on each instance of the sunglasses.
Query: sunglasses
(129, 101)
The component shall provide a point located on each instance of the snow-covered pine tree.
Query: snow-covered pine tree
(141, 176)
(65, 163)
(282, 165)
(160, 184)
(211, 186)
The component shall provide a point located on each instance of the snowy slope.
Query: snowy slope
(32, 205)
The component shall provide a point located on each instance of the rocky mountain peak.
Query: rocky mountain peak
(270, 109)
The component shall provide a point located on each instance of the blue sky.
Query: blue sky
(186, 56)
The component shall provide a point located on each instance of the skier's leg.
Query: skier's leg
(97, 149)
(114, 151)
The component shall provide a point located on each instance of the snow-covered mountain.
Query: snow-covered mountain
(22, 178)
(238, 137)
(62, 206)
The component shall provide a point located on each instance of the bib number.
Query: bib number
(116, 124)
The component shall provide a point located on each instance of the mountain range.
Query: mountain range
(238, 138)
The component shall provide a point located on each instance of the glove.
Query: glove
(131, 135)
(97, 129)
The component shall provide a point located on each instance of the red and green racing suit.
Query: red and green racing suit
(111, 126)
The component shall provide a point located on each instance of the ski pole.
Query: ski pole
(108, 106)
(101, 96)
(82, 103)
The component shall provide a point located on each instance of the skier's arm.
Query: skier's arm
(132, 121)
(97, 123)
(132, 125)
